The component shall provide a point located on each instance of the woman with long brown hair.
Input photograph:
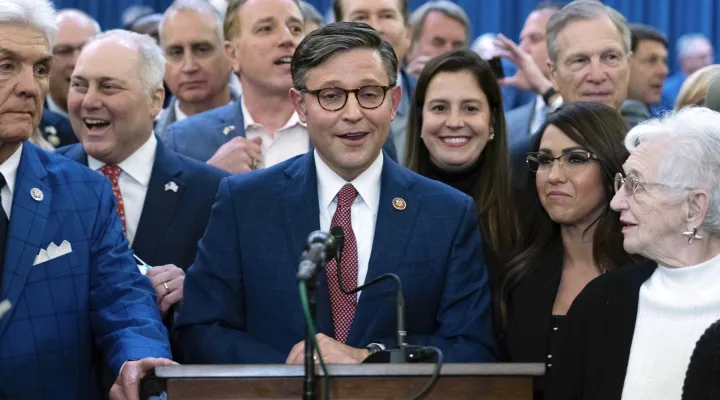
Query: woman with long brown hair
(457, 135)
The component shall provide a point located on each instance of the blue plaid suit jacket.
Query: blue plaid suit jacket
(94, 294)
(241, 296)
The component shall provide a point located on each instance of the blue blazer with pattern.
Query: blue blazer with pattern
(93, 295)
(242, 303)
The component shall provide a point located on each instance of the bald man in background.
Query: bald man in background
(75, 28)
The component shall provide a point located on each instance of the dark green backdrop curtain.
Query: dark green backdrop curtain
(674, 17)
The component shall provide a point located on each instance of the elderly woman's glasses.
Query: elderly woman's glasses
(571, 161)
(632, 183)
(333, 99)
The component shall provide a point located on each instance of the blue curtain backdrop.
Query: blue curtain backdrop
(674, 17)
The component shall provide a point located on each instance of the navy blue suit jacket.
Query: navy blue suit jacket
(92, 295)
(241, 296)
(171, 223)
(201, 135)
(56, 129)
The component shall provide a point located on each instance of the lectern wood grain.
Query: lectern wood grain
(457, 381)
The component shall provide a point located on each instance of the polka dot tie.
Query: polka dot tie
(343, 305)
(113, 173)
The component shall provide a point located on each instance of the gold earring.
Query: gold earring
(692, 235)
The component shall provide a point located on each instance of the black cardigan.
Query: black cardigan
(596, 337)
(702, 381)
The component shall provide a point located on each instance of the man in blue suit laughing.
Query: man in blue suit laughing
(65, 265)
(241, 299)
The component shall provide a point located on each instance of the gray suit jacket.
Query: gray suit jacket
(634, 112)
(168, 115)
(519, 121)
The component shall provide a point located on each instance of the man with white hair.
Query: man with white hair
(75, 28)
(164, 198)
(694, 51)
(198, 70)
(65, 265)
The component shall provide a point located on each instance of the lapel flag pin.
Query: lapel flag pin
(171, 186)
(36, 194)
(228, 129)
(399, 203)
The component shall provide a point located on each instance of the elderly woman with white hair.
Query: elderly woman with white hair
(630, 333)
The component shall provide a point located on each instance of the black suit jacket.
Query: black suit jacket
(596, 337)
(702, 381)
(171, 223)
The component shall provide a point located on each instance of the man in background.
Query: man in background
(75, 28)
(392, 19)
(262, 128)
(437, 27)
(648, 70)
(198, 69)
(311, 16)
(694, 51)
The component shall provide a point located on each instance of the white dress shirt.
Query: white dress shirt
(289, 141)
(364, 209)
(9, 171)
(133, 182)
(179, 114)
(52, 106)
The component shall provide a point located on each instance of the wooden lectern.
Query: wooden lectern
(364, 381)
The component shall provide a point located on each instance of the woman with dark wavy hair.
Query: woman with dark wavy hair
(456, 135)
(573, 236)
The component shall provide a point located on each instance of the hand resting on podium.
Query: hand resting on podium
(333, 352)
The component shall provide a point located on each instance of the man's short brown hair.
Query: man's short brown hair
(231, 25)
(404, 9)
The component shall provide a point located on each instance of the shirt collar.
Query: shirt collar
(136, 165)
(539, 104)
(9, 168)
(367, 184)
(179, 115)
(52, 106)
(399, 81)
(249, 121)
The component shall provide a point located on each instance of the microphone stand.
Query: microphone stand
(308, 273)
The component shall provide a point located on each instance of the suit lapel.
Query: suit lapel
(301, 216)
(232, 124)
(392, 232)
(28, 218)
(163, 194)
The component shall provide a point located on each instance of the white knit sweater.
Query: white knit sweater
(676, 306)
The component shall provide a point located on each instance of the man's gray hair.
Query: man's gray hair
(152, 60)
(692, 156)
(37, 14)
(339, 37)
(685, 42)
(72, 12)
(584, 10)
(448, 8)
(198, 6)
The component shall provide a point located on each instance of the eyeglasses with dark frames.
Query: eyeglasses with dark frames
(571, 161)
(334, 99)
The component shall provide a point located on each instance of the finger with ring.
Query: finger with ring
(166, 286)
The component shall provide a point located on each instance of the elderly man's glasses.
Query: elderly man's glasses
(572, 161)
(333, 99)
(632, 183)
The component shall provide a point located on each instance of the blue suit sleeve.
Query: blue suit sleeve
(464, 330)
(211, 323)
(125, 320)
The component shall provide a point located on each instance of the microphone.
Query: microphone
(712, 98)
(400, 355)
(320, 248)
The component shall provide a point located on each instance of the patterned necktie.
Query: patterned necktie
(343, 305)
(113, 173)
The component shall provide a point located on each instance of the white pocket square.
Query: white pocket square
(53, 251)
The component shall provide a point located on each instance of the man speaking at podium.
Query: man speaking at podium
(242, 303)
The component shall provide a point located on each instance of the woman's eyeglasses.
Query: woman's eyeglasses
(570, 162)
